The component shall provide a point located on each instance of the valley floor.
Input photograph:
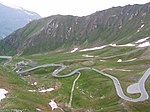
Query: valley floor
(124, 63)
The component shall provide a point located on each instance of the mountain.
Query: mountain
(95, 63)
(118, 25)
(12, 18)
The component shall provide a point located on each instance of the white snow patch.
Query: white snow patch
(129, 60)
(70, 29)
(2, 93)
(142, 40)
(42, 91)
(126, 45)
(35, 83)
(145, 44)
(124, 70)
(74, 50)
(94, 48)
(107, 69)
(140, 28)
(17, 71)
(53, 105)
(91, 96)
(102, 60)
(120, 27)
(47, 90)
(133, 89)
(32, 90)
(113, 45)
(120, 60)
(39, 110)
(89, 56)
(123, 45)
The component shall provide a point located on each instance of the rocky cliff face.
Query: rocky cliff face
(12, 18)
(115, 25)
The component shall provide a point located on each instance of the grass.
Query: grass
(92, 92)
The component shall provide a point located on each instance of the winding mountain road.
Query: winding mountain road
(120, 93)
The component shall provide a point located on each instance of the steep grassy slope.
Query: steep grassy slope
(115, 25)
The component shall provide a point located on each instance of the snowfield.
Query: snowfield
(139, 43)
(142, 40)
(42, 91)
(3, 92)
(145, 44)
(94, 48)
(46, 90)
(74, 50)
(53, 105)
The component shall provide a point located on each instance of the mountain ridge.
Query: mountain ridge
(117, 25)
(13, 18)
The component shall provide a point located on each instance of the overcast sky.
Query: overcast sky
(69, 7)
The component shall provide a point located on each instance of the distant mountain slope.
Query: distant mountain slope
(117, 25)
(12, 18)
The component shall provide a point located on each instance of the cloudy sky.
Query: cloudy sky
(69, 7)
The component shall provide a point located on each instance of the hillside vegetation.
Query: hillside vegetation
(115, 41)
(117, 25)
(91, 87)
